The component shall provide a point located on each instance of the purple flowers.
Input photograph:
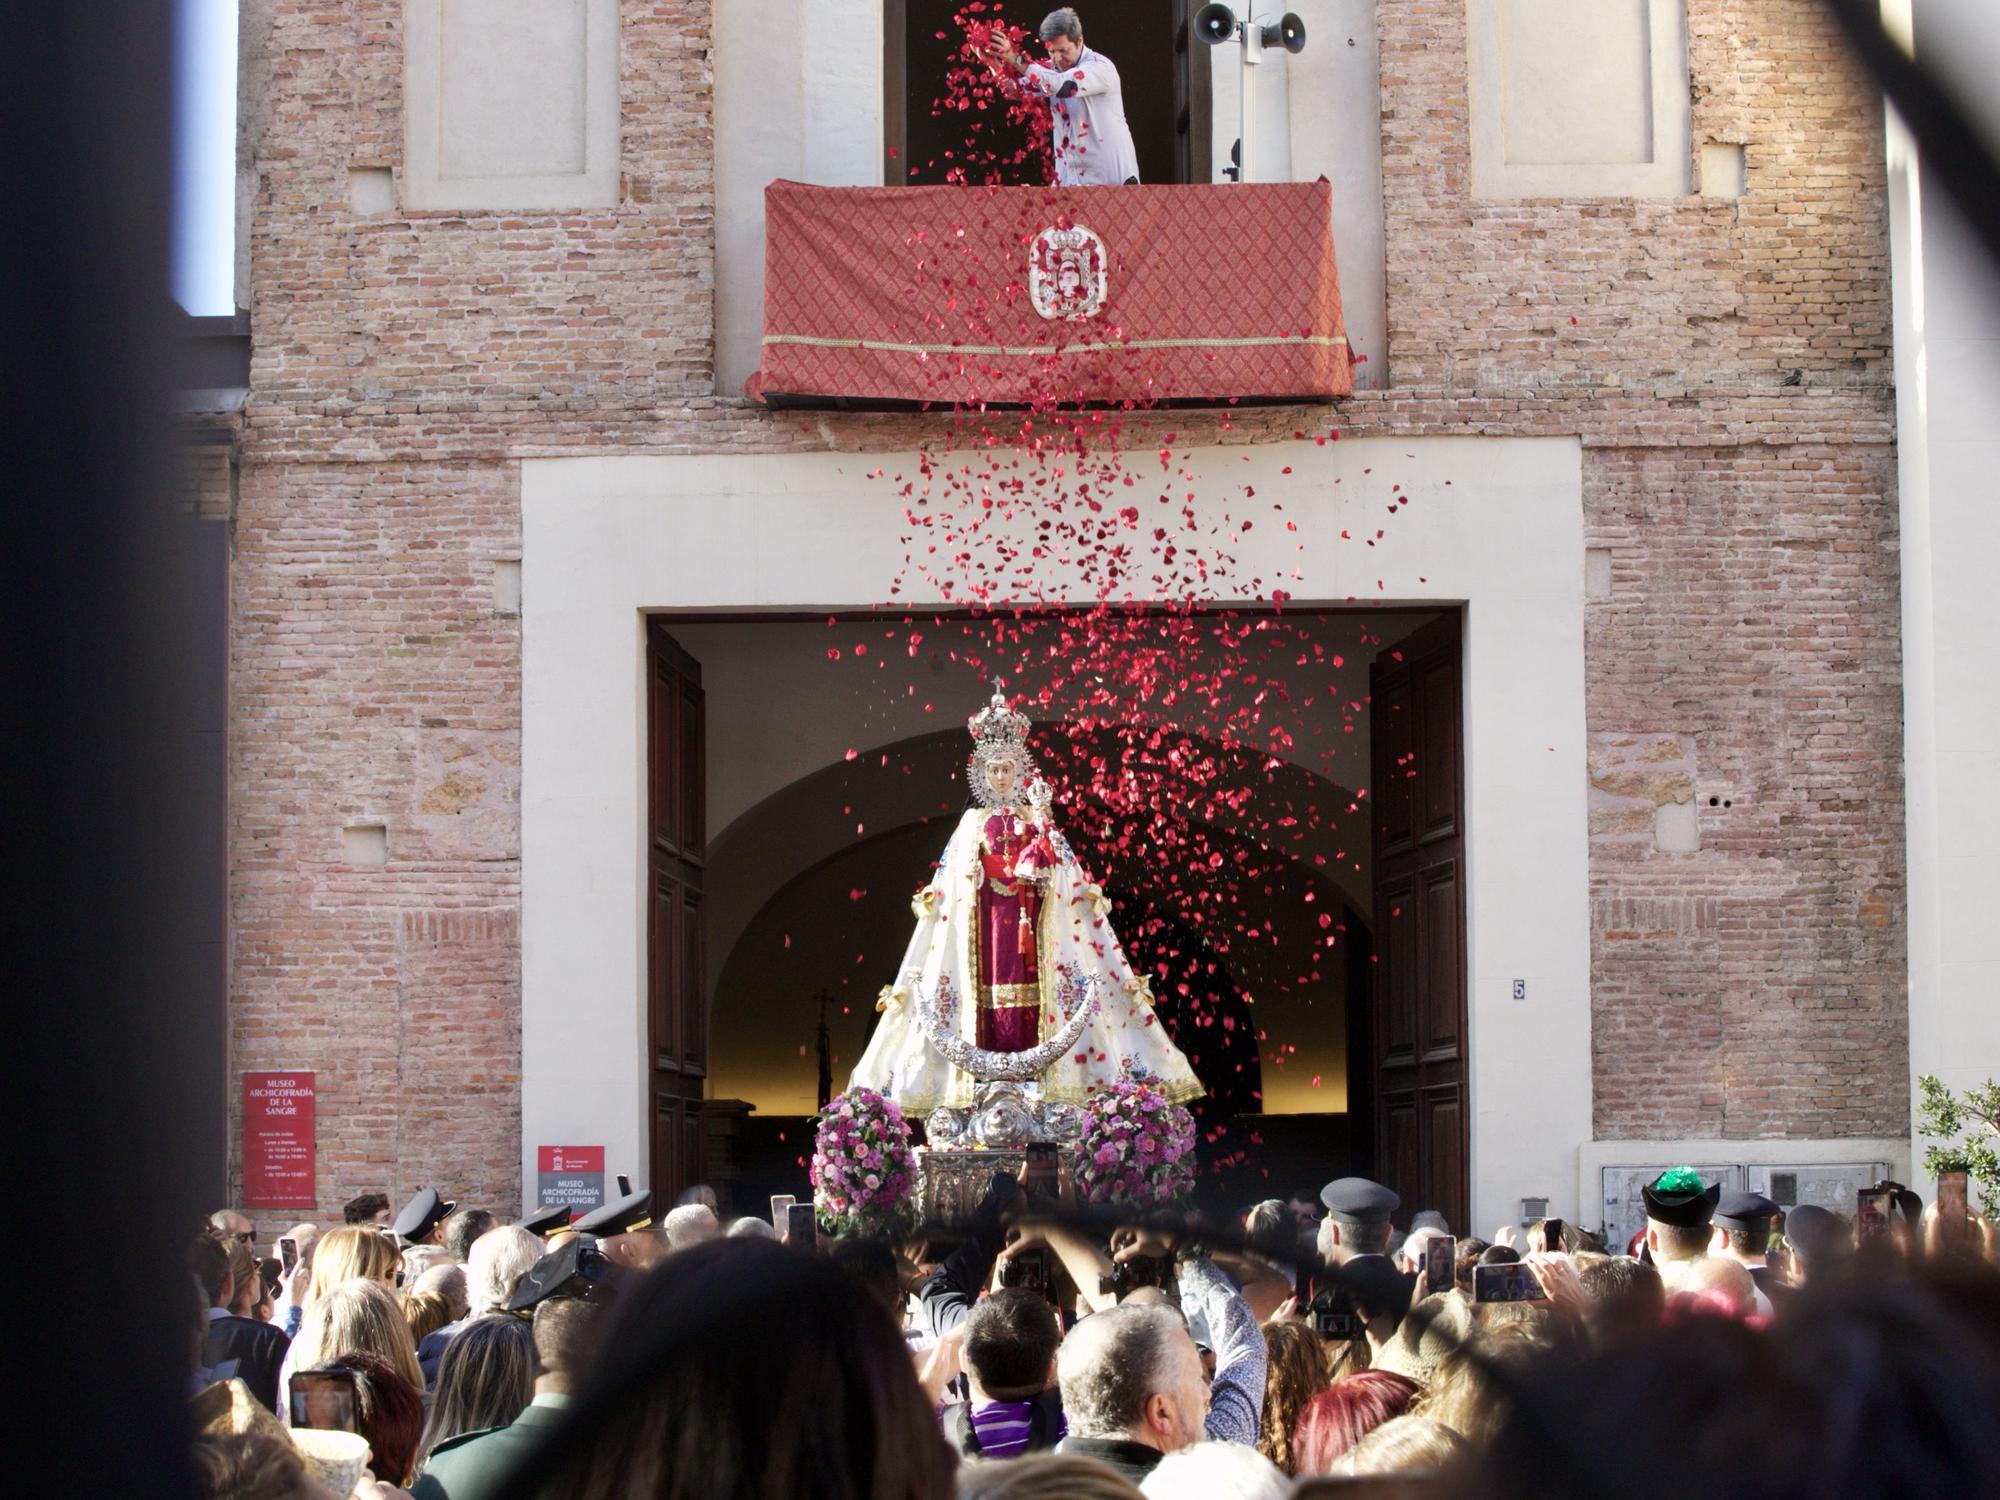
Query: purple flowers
(1135, 1148)
(863, 1169)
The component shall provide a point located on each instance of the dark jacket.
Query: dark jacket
(477, 1465)
(1134, 1460)
(258, 1350)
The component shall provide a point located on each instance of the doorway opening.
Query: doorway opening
(1163, 70)
(796, 805)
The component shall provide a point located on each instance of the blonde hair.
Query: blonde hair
(353, 1252)
(1402, 1444)
(357, 1317)
(426, 1313)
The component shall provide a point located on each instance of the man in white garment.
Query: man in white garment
(1093, 144)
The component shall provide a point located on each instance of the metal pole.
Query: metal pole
(1243, 100)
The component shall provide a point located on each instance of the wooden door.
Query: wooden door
(1421, 1123)
(676, 995)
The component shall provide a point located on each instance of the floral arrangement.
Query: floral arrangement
(1135, 1148)
(864, 1174)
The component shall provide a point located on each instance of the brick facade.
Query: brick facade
(1725, 362)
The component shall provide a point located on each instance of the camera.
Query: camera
(1334, 1315)
(1127, 1276)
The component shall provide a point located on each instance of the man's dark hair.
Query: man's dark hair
(1469, 1250)
(208, 1263)
(462, 1228)
(1750, 1241)
(1499, 1255)
(1010, 1337)
(566, 1330)
(363, 1209)
(1681, 1241)
(1062, 22)
(872, 1264)
(1363, 1235)
(1625, 1299)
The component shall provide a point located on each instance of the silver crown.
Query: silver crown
(997, 724)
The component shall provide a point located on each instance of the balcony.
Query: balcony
(1037, 296)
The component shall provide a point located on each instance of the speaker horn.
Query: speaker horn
(1215, 24)
(1289, 33)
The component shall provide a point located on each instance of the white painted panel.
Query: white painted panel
(1576, 81)
(1578, 98)
(510, 104)
(511, 91)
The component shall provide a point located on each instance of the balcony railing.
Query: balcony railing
(971, 296)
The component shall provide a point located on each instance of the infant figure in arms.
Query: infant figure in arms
(1014, 998)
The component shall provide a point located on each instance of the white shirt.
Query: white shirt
(1093, 144)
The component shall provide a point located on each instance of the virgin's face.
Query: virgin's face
(1000, 776)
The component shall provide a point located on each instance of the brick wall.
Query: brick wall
(1724, 361)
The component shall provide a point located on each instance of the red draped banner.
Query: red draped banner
(964, 296)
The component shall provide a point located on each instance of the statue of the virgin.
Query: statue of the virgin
(1014, 974)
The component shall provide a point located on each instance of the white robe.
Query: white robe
(1093, 144)
(1124, 1039)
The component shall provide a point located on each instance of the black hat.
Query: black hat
(546, 1220)
(1358, 1198)
(422, 1214)
(575, 1268)
(1814, 1231)
(627, 1215)
(1740, 1210)
(1677, 1197)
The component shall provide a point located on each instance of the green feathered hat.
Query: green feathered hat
(1679, 1197)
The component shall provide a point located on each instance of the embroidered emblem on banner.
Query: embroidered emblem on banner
(1066, 273)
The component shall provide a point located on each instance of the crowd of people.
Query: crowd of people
(1313, 1346)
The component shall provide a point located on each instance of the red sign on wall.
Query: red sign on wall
(570, 1177)
(279, 1146)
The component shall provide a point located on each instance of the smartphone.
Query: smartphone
(1509, 1282)
(800, 1230)
(1552, 1235)
(1872, 1208)
(267, 1272)
(1440, 1265)
(1041, 1174)
(323, 1398)
(781, 1205)
(288, 1253)
(1951, 1197)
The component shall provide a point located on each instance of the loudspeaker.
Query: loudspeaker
(1289, 33)
(1216, 23)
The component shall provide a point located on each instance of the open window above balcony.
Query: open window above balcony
(833, 93)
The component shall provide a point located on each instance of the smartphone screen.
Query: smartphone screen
(1512, 1282)
(1552, 1235)
(1440, 1265)
(781, 1205)
(288, 1252)
(800, 1231)
(1871, 1214)
(323, 1398)
(1951, 1195)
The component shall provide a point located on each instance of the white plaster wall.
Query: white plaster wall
(798, 95)
(1947, 331)
(1495, 522)
(1333, 92)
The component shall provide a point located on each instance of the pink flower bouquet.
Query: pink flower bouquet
(1135, 1149)
(864, 1173)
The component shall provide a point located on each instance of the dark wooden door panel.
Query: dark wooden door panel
(1442, 963)
(1421, 1122)
(676, 980)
